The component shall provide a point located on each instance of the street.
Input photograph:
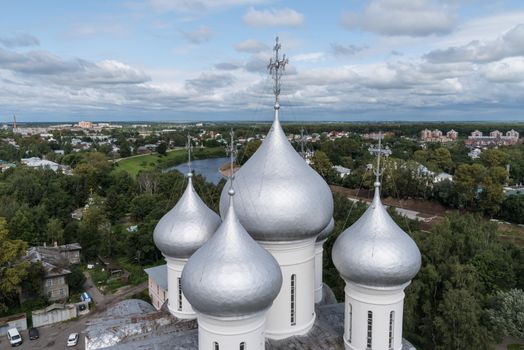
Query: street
(55, 336)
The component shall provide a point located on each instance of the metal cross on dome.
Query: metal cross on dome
(231, 151)
(276, 67)
(379, 151)
(189, 148)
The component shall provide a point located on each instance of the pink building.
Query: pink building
(436, 133)
(452, 134)
(157, 285)
(425, 134)
(495, 133)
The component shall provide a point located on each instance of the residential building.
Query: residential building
(157, 277)
(495, 138)
(452, 134)
(56, 261)
(342, 171)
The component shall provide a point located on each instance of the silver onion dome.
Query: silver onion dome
(187, 226)
(326, 231)
(375, 251)
(280, 197)
(231, 275)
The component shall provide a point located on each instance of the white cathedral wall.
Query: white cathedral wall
(319, 250)
(381, 302)
(174, 273)
(295, 258)
(230, 332)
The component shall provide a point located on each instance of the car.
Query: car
(72, 340)
(85, 297)
(14, 337)
(33, 333)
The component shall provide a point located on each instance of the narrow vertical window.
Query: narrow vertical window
(243, 346)
(293, 299)
(179, 294)
(350, 322)
(370, 330)
(391, 329)
(215, 346)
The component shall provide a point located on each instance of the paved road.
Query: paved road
(54, 337)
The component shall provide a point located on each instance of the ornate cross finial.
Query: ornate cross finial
(189, 148)
(276, 67)
(231, 151)
(379, 151)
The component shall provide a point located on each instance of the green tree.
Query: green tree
(507, 313)
(441, 158)
(248, 150)
(512, 209)
(55, 231)
(466, 182)
(321, 163)
(491, 197)
(13, 270)
(494, 157)
(76, 279)
(32, 282)
(162, 148)
(458, 323)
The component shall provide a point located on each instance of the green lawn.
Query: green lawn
(134, 165)
(515, 347)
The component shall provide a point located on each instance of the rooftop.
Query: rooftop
(159, 275)
(52, 260)
(141, 331)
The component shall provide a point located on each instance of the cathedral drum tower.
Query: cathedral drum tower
(178, 234)
(284, 205)
(377, 260)
(231, 282)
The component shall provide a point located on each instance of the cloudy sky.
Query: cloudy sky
(206, 59)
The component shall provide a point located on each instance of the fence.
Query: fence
(15, 321)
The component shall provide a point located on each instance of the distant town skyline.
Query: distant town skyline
(177, 60)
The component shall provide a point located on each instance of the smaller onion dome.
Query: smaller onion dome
(231, 275)
(375, 251)
(186, 227)
(326, 231)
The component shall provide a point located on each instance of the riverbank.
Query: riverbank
(134, 164)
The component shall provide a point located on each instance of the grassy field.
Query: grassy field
(133, 165)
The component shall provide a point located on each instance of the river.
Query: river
(207, 168)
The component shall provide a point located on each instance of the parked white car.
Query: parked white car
(14, 337)
(72, 340)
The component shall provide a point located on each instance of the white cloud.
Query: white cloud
(400, 17)
(51, 68)
(20, 40)
(309, 57)
(508, 45)
(198, 36)
(207, 82)
(90, 30)
(198, 5)
(281, 17)
(345, 50)
(251, 46)
(510, 70)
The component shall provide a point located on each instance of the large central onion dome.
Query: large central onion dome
(231, 275)
(375, 251)
(186, 227)
(280, 197)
